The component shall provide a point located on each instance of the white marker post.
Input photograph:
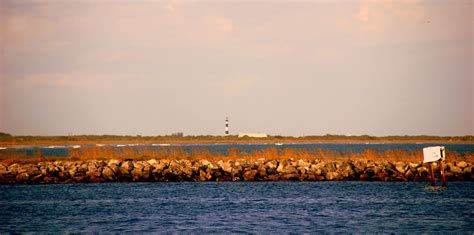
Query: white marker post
(433, 154)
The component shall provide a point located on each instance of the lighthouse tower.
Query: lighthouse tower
(226, 126)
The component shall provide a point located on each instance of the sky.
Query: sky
(297, 68)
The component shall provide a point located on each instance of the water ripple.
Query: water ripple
(231, 207)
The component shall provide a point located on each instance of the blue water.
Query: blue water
(256, 207)
(249, 148)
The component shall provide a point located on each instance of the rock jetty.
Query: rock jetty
(96, 171)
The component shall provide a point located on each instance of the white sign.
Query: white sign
(433, 154)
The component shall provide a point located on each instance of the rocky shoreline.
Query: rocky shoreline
(96, 171)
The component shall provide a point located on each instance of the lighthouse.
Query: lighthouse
(226, 133)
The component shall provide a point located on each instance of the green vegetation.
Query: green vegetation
(5, 136)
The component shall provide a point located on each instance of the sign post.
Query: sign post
(435, 154)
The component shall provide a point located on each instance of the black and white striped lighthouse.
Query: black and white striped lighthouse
(226, 126)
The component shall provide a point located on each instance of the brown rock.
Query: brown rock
(461, 164)
(37, 178)
(159, 166)
(423, 171)
(455, 170)
(401, 167)
(303, 164)
(92, 170)
(96, 180)
(290, 170)
(273, 177)
(127, 165)
(3, 169)
(271, 166)
(108, 174)
(281, 166)
(50, 180)
(152, 161)
(333, 176)
(23, 177)
(318, 169)
(249, 175)
(13, 168)
(137, 174)
(113, 162)
(360, 166)
(292, 176)
(262, 172)
(226, 166)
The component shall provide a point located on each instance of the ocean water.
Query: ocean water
(254, 207)
(249, 148)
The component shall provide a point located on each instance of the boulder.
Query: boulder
(125, 168)
(413, 165)
(249, 175)
(370, 164)
(401, 167)
(226, 166)
(176, 168)
(113, 162)
(81, 169)
(292, 176)
(359, 166)
(127, 165)
(23, 177)
(13, 168)
(32, 170)
(303, 164)
(37, 178)
(188, 169)
(455, 170)
(204, 176)
(410, 174)
(318, 169)
(159, 166)
(346, 171)
(280, 167)
(152, 161)
(461, 164)
(50, 180)
(72, 171)
(271, 166)
(333, 176)
(423, 171)
(108, 174)
(330, 166)
(138, 165)
(262, 172)
(92, 170)
(289, 169)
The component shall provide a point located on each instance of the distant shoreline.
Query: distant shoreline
(48, 143)
(79, 140)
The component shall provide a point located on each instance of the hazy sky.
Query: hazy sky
(290, 68)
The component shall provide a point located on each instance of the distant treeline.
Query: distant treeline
(5, 137)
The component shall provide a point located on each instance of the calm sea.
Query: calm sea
(255, 207)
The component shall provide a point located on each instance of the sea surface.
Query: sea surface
(234, 207)
(62, 150)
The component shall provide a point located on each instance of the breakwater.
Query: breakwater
(96, 171)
